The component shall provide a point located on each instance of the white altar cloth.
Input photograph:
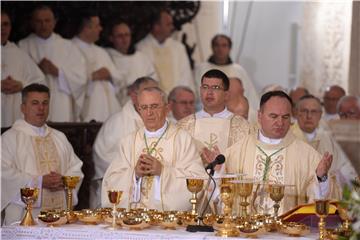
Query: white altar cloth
(81, 231)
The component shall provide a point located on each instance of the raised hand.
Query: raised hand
(324, 165)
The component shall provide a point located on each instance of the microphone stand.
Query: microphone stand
(204, 227)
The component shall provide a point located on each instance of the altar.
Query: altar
(82, 231)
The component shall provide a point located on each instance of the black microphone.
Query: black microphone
(220, 159)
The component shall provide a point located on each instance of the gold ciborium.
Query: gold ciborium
(227, 228)
(322, 210)
(194, 185)
(244, 190)
(28, 196)
(276, 194)
(114, 198)
(70, 183)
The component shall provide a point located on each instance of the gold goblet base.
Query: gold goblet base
(28, 219)
(227, 231)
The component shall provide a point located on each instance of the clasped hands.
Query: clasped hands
(48, 67)
(53, 181)
(9, 85)
(148, 166)
(101, 74)
(208, 155)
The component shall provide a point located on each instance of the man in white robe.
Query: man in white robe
(17, 71)
(214, 127)
(150, 165)
(181, 103)
(133, 64)
(274, 154)
(221, 46)
(167, 55)
(114, 129)
(309, 113)
(102, 76)
(348, 107)
(62, 64)
(35, 155)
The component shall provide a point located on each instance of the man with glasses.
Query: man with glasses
(307, 129)
(331, 97)
(181, 102)
(151, 164)
(214, 127)
(349, 107)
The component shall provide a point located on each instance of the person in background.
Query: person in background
(181, 103)
(348, 107)
(330, 99)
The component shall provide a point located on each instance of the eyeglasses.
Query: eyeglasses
(184, 102)
(348, 114)
(213, 87)
(152, 107)
(309, 112)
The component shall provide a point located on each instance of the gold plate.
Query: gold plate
(294, 229)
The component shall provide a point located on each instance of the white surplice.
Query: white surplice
(231, 70)
(67, 90)
(114, 129)
(100, 100)
(132, 66)
(170, 60)
(21, 164)
(18, 65)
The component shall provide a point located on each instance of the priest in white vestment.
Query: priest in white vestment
(348, 107)
(35, 155)
(274, 155)
(62, 64)
(103, 78)
(133, 64)
(114, 129)
(17, 71)
(167, 55)
(309, 113)
(221, 46)
(150, 165)
(181, 103)
(214, 127)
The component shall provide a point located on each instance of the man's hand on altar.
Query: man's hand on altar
(53, 181)
(324, 165)
(208, 155)
(147, 166)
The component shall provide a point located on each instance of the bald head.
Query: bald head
(349, 107)
(331, 97)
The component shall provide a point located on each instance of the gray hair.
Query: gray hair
(175, 90)
(308, 96)
(136, 85)
(157, 90)
(347, 98)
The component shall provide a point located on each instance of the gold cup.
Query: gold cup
(194, 185)
(227, 228)
(346, 218)
(70, 183)
(322, 210)
(114, 198)
(244, 189)
(28, 196)
(276, 194)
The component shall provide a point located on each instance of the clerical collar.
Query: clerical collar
(44, 40)
(271, 141)
(159, 44)
(82, 43)
(157, 133)
(212, 60)
(40, 131)
(223, 114)
(310, 136)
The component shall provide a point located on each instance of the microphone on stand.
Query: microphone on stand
(220, 159)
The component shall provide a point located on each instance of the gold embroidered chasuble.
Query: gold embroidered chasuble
(341, 168)
(177, 153)
(209, 132)
(294, 163)
(48, 160)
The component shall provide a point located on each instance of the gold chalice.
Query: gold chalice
(322, 210)
(70, 183)
(345, 228)
(194, 185)
(244, 189)
(227, 228)
(114, 198)
(28, 196)
(276, 194)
